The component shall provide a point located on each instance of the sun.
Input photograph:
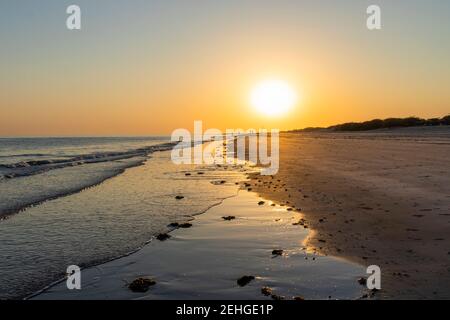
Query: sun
(273, 97)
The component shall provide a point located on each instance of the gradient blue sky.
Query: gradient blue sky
(148, 67)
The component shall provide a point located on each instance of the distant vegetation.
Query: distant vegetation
(382, 124)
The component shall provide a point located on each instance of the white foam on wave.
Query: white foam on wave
(35, 184)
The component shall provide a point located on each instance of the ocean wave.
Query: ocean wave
(72, 176)
(25, 155)
(32, 167)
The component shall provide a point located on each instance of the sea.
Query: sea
(87, 200)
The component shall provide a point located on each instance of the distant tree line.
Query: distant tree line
(382, 124)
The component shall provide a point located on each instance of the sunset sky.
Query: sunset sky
(148, 67)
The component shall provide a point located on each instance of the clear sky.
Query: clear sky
(142, 67)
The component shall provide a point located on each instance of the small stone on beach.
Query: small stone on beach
(179, 197)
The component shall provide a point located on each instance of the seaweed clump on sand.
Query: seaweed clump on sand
(362, 281)
(173, 225)
(228, 218)
(162, 236)
(141, 284)
(266, 291)
(277, 297)
(243, 281)
(185, 225)
(277, 252)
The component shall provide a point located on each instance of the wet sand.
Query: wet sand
(206, 260)
(373, 198)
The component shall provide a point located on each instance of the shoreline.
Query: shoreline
(105, 222)
(240, 249)
(95, 265)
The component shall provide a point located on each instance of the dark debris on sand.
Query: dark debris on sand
(266, 291)
(243, 281)
(228, 218)
(277, 252)
(301, 222)
(362, 281)
(141, 284)
(185, 225)
(276, 297)
(180, 225)
(162, 236)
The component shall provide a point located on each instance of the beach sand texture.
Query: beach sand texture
(374, 198)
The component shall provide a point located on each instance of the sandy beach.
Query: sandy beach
(373, 198)
(379, 198)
